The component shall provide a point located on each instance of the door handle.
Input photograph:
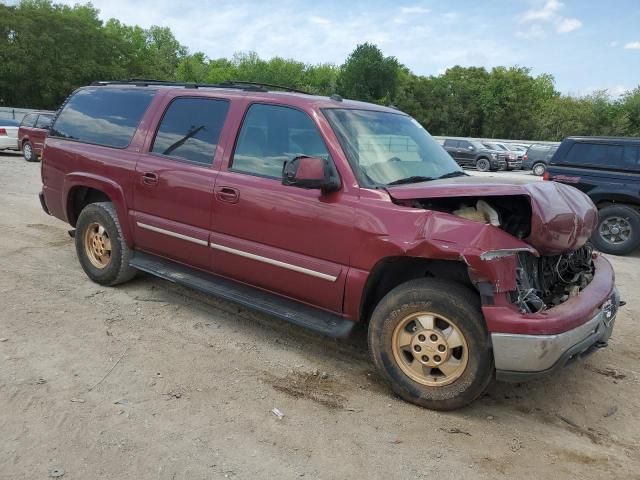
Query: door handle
(228, 194)
(150, 178)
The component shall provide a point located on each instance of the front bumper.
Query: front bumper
(524, 357)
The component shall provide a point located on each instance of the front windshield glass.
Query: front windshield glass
(387, 148)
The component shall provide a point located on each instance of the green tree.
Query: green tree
(368, 75)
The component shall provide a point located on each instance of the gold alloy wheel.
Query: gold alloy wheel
(97, 245)
(430, 349)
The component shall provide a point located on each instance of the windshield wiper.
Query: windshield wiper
(414, 179)
(456, 173)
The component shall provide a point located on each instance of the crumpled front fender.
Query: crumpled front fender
(488, 251)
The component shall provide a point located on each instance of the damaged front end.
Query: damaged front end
(531, 246)
(546, 281)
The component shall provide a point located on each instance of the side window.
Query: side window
(631, 156)
(190, 129)
(271, 135)
(29, 120)
(451, 143)
(103, 115)
(44, 121)
(594, 154)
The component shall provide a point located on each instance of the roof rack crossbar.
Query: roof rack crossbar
(237, 84)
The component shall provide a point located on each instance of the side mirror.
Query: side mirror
(310, 173)
(470, 147)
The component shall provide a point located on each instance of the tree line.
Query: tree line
(47, 50)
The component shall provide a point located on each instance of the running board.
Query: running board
(297, 313)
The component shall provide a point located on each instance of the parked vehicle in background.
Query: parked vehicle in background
(325, 212)
(472, 153)
(512, 156)
(537, 158)
(608, 170)
(8, 134)
(32, 133)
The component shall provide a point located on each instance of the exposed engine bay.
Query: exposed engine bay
(511, 213)
(546, 281)
(542, 282)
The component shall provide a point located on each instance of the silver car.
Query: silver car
(9, 134)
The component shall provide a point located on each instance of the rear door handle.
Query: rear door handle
(150, 178)
(228, 194)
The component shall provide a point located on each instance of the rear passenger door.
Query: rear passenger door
(174, 180)
(284, 239)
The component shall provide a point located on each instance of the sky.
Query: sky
(585, 44)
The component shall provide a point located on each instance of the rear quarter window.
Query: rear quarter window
(103, 116)
(594, 154)
(29, 120)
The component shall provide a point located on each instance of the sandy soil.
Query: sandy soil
(195, 380)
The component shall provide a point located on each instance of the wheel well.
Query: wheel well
(393, 271)
(80, 197)
(608, 203)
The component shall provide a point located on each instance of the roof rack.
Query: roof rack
(236, 84)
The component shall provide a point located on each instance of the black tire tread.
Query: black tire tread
(414, 294)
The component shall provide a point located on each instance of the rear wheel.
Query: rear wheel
(539, 169)
(28, 153)
(483, 165)
(428, 339)
(100, 245)
(618, 231)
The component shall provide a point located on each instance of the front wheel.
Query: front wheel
(618, 231)
(483, 165)
(428, 339)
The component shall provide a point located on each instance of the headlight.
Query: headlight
(494, 156)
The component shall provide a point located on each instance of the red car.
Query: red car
(32, 132)
(327, 212)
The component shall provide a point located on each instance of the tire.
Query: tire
(107, 269)
(618, 230)
(538, 169)
(459, 307)
(28, 153)
(483, 164)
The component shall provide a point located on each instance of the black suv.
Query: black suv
(472, 153)
(537, 158)
(608, 170)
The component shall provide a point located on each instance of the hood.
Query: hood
(562, 217)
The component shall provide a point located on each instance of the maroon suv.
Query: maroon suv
(32, 133)
(327, 212)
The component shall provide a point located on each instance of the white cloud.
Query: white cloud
(414, 9)
(567, 25)
(632, 46)
(319, 20)
(547, 13)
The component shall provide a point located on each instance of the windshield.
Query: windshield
(387, 148)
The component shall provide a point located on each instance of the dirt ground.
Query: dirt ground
(153, 381)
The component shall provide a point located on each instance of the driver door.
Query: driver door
(284, 239)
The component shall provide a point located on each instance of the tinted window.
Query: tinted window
(8, 122)
(451, 143)
(594, 154)
(271, 135)
(29, 120)
(44, 121)
(631, 156)
(102, 115)
(190, 129)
